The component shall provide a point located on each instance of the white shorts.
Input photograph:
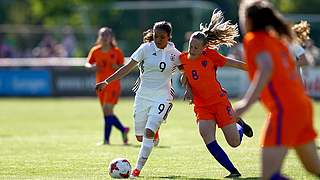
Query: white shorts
(149, 114)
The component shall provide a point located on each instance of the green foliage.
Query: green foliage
(86, 16)
(298, 6)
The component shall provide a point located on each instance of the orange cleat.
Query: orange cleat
(156, 139)
(135, 173)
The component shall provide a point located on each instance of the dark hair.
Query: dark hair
(162, 25)
(113, 42)
(263, 17)
(218, 32)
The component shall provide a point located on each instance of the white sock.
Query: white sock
(145, 150)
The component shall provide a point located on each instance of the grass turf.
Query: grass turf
(55, 138)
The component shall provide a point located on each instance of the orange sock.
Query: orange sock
(156, 136)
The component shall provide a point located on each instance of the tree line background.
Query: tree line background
(24, 23)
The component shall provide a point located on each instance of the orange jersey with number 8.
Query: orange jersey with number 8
(201, 75)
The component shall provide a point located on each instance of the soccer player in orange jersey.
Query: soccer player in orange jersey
(211, 104)
(275, 81)
(107, 58)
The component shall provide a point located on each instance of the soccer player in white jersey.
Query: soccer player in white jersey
(303, 58)
(157, 58)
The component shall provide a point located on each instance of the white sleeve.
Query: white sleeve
(297, 50)
(138, 55)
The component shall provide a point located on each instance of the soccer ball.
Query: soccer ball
(119, 168)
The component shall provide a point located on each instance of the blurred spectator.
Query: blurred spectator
(236, 51)
(49, 47)
(314, 51)
(69, 41)
(5, 50)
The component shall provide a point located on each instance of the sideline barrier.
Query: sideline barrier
(69, 77)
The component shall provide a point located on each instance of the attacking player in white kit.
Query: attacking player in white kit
(157, 58)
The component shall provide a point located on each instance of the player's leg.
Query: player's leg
(225, 120)
(157, 114)
(112, 120)
(309, 157)
(233, 134)
(140, 116)
(156, 138)
(107, 122)
(152, 126)
(207, 129)
(272, 159)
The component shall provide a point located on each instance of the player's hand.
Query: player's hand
(101, 85)
(240, 107)
(188, 96)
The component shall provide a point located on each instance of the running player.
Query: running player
(275, 81)
(157, 59)
(107, 58)
(211, 104)
(301, 31)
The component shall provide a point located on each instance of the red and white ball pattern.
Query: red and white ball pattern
(119, 168)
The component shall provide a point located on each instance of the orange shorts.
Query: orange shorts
(221, 112)
(290, 127)
(109, 95)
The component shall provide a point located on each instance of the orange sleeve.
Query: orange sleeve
(120, 58)
(254, 45)
(91, 56)
(217, 58)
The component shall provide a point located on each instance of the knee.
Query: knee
(234, 142)
(313, 170)
(149, 133)
(139, 138)
(107, 111)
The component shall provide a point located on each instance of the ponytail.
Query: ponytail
(148, 35)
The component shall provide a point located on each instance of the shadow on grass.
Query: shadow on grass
(132, 145)
(183, 177)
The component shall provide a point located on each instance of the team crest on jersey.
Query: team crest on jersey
(112, 56)
(204, 63)
(155, 54)
(172, 57)
(229, 111)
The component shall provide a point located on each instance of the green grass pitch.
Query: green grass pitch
(55, 138)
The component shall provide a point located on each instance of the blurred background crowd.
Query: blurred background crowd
(39, 28)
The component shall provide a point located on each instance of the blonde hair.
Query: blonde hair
(302, 31)
(218, 32)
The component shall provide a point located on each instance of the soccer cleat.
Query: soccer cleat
(125, 135)
(234, 174)
(247, 130)
(135, 173)
(156, 139)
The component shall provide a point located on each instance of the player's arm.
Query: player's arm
(302, 60)
(261, 78)
(188, 91)
(120, 73)
(235, 63)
